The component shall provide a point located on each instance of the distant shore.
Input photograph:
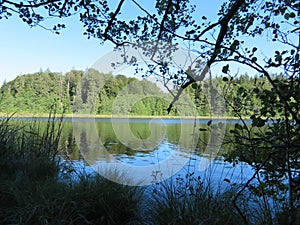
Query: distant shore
(45, 115)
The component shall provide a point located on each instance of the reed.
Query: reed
(33, 190)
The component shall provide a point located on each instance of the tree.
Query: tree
(270, 145)
(230, 39)
(174, 21)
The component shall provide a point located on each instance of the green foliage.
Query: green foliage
(270, 143)
(188, 200)
(40, 92)
(35, 93)
(36, 189)
(33, 191)
(105, 94)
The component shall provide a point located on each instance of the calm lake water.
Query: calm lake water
(146, 151)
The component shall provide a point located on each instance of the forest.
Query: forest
(257, 36)
(41, 92)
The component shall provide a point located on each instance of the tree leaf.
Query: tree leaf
(225, 79)
(225, 68)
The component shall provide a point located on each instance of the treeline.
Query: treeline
(76, 91)
(105, 94)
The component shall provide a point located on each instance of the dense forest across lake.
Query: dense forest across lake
(76, 92)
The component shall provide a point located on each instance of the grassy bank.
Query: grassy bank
(36, 187)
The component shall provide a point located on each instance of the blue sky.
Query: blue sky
(27, 50)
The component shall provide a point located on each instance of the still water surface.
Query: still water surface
(151, 150)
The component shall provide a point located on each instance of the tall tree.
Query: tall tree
(174, 21)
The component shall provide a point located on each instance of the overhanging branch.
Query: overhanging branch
(34, 5)
(223, 31)
(110, 22)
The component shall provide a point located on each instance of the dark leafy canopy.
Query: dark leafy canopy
(176, 21)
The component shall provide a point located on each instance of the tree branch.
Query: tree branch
(35, 5)
(161, 29)
(260, 69)
(110, 22)
(224, 28)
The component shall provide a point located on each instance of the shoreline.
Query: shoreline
(45, 115)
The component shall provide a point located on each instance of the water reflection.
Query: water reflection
(166, 138)
(146, 143)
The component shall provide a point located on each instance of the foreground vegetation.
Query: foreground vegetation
(240, 34)
(38, 187)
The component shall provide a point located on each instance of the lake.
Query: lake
(145, 151)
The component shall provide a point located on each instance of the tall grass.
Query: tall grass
(32, 190)
(187, 200)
